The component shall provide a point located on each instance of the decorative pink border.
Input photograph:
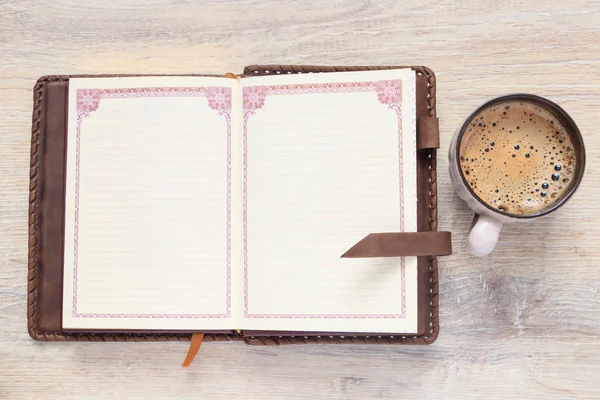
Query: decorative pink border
(88, 101)
(388, 92)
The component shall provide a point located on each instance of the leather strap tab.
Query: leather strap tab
(428, 133)
(193, 350)
(400, 244)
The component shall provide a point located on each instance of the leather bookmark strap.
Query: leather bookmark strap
(428, 133)
(400, 244)
(193, 350)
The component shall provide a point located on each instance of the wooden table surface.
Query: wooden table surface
(523, 322)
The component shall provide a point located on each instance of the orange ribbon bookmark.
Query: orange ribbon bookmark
(193, 350)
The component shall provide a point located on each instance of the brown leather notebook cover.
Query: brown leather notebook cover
(46, 225)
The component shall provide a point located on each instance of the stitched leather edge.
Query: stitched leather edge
(433, 332)
(37, 138)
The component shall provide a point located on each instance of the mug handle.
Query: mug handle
(484, 235)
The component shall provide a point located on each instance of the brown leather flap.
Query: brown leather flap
(428, 133)
(400, 244)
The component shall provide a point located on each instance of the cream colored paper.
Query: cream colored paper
(152, 210)
(322, 172)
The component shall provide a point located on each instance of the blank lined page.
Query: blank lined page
(328, 159)
(148, 204)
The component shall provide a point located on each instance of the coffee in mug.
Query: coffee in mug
(515, 158)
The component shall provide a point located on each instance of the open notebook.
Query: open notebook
(217, 204)
(163, 207)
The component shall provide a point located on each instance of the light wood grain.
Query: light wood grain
(523, 323)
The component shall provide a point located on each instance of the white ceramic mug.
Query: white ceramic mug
(488, 221)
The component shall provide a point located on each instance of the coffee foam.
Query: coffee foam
(517, 157)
